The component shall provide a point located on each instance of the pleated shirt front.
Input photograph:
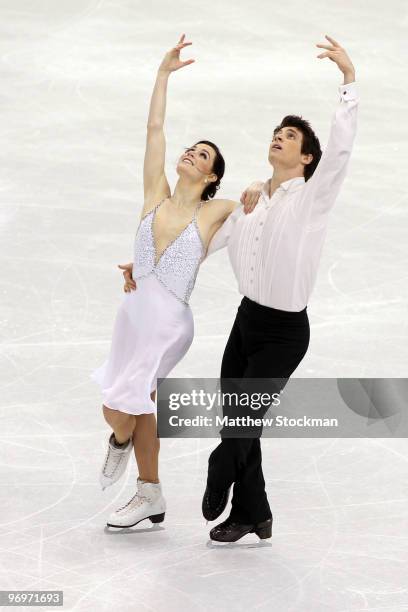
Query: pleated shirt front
(275, 250)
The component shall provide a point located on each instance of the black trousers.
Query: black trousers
(264, 343)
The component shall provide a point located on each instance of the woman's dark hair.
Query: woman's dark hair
(218, 168)
(310, 142)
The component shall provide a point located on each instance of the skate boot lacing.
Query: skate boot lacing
(115, 458)
(137, 500)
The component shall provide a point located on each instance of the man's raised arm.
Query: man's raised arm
(322, 188)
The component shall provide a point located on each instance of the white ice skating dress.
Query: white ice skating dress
(154, 325)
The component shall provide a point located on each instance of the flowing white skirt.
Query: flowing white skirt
(152, 332)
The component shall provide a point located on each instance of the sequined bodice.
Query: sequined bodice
(178, 264)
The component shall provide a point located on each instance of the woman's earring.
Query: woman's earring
(205, 181)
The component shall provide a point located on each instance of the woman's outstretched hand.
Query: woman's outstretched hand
(171, 61)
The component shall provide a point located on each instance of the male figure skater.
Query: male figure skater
(275, 252)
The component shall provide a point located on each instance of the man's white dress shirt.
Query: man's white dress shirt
(275, 250)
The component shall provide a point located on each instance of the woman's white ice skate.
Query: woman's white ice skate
(115, 463)
(147, 503)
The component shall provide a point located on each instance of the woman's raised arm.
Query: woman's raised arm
(154, 178)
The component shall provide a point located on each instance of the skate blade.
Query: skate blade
(154, 518)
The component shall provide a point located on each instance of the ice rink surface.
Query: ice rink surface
(76, 78)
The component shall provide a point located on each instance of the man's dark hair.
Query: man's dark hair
(310, 142)
(218, 168)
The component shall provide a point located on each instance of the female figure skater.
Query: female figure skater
(154, 325)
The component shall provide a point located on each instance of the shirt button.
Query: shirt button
(344, 92)
(254, 253)
(251, 280)
(261, 223)
(257, 238)
(252, 269)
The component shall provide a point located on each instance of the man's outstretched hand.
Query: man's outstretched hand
(337, 54)
(130, 284)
